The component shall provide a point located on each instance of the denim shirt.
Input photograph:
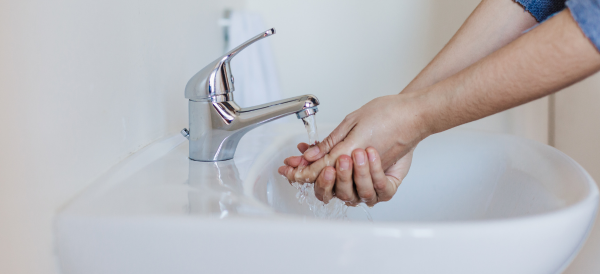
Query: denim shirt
(585, 12)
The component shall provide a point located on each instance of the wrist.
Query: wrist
(427, 112)
(417, 121)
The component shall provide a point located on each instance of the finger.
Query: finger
(344, 186)
(337, 135)
(295, 161)
(286, 171)
(310, 173)
(383, 186)
(302, 147)
(324, 184)
(362, 178)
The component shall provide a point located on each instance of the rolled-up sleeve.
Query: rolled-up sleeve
(542, 9)
(587, 15)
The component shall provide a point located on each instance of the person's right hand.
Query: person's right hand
(356, 179)
(392, 125)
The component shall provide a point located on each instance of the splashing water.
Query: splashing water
(336, 209)
(310, 123)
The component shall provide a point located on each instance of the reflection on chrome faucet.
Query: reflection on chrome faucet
(217, 191)
(217, 123)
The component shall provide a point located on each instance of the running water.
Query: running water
(336, 209)
(310, 123)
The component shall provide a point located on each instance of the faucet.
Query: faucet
(217, 123)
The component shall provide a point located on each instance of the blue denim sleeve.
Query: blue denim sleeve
(587, 15)
(542, 9)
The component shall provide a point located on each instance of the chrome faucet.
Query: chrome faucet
(217, 123)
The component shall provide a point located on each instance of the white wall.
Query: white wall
(348, 52)
(82, 85)
(578, 135)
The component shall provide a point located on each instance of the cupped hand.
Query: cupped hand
(357, 178)
(392, 125)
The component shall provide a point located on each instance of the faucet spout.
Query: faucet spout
(302, 106)
(217, 127)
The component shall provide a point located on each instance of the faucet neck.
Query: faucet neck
(217, 127)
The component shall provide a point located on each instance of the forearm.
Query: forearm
(492, 25)
(552, 56)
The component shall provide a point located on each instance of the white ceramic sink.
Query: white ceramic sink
(472, 203)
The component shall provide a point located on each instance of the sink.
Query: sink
(473, 202)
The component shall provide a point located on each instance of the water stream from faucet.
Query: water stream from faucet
(336, 209)
(310, 123)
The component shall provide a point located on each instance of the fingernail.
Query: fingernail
(371, 155)
(312, 152)
(344, 164)
(329, 174)
(360, 158)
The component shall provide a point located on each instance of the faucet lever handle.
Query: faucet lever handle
(216, 79)
(244, 45)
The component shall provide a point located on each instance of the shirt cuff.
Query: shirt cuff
(587, 15)
(542, 9)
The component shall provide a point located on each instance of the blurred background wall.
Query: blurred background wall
(83, 84)
(577, 133)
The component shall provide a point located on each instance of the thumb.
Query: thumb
(337, 135)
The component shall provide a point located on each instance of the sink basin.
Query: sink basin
(473, 202)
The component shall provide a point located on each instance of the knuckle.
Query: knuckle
(369, 195)
(379, 185)
(348, 117)
(290, 175)
(327, 184)
(343, 196)
(354, 202)
(372, 204)
(328, 143)
(345, 175)
(362, 172)
(318, 188)
(385, 198)
(351, 116)
(346, 179)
